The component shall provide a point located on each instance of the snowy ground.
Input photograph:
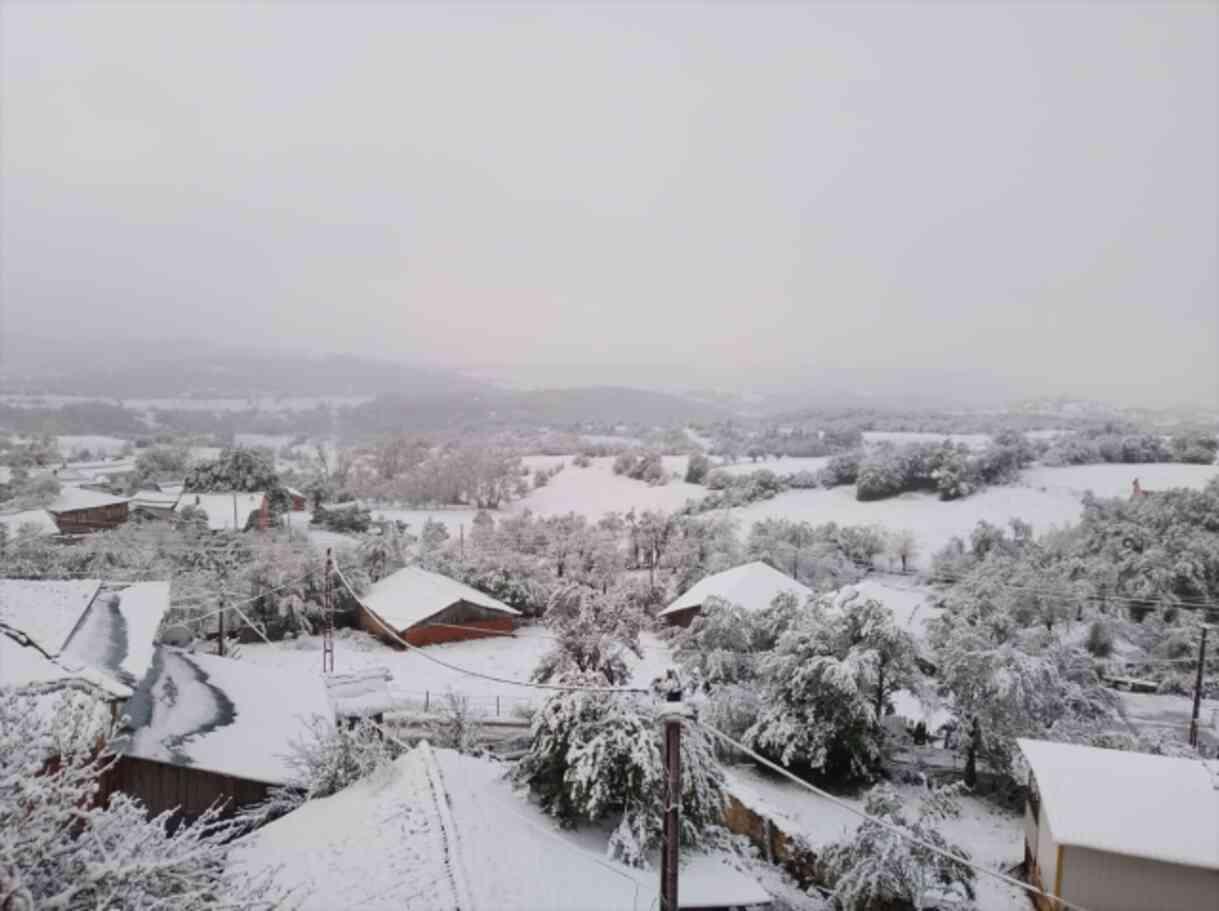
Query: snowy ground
(95, 444)
(783, 466)
(1116, 480)
(1159, 714)
(934, 522)
(993, 836)
(596, 490)
(905, 597)
(902, 437)
(417, 679)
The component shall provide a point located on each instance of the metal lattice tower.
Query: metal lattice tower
(328, 615)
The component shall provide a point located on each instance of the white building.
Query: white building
(1118, 831)
(752, 586)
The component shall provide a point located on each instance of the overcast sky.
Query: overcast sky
(1026, 190)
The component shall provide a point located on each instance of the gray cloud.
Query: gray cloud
(1028, 191)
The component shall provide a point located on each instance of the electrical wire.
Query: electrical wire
(885, 824)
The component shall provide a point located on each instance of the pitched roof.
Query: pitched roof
(413, 594)
(117, 634)
(219, 508)
(1157, 807)
(446, 830)
(71, 499)
(46, 610)
(224, 715)
(752, 586)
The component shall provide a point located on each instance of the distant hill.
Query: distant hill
(402, 396)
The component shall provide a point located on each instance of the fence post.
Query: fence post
(427, 696)
(497, 706)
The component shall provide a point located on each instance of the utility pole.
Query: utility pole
(1193, 722)
(671, 714)
(221, 618)
(235, 528)
(328, 616)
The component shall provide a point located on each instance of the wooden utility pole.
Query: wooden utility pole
(220, 640)
(1193, 722)
(328, 615)
(235, 528)
(671, 714)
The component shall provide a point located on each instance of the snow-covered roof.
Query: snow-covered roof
(361, 694)
(52, 613)
(1156, 807)
(414, 594)
(219, 508)
(224, 715)
(445, 830)
(118, 631)
(46, 610)
(74, 498)
(38, 519)
(155, 499)
(753, 586)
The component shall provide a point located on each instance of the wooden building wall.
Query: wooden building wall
(84, 521)
(476, 622)
(683, 617)
(190, 791)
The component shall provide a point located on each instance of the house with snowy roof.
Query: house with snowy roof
(425, 608)
(202, 729)
(78, 511)
(239, 511)
(79, 634)
(752, 586)
(441, 830)
(1111, 830)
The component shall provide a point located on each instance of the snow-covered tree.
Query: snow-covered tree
(818, 693)
(878, 869)
(597, 756)
(594, 632)
(63, 850)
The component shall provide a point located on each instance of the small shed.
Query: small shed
(78, 511)
(1119, 831)
(153, 504)
(362, 694)
(204, 728)
(426, 608)
(752, 586)
(229, 511)
(299, 501)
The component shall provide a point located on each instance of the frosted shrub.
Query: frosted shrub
(456, 725)
(878, 869)
(60, 849)
(594, 756)
(325, 761)
(1100, 640)
(594, 632)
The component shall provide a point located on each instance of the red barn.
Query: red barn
(78, 511)
(425, 608)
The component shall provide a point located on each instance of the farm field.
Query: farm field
(1116, 480)
(933, 521)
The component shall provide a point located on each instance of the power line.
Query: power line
(892, 827)
(469, 673)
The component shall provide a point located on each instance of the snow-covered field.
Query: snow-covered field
(596, 490)
(788, 465)
(905, 597)
(416, 678)
(1116, 480)
(934, 522)
(900, 437)
(993, 837)
(94, 443)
